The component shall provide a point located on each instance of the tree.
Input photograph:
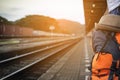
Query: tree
(4, 20)
(38, 22)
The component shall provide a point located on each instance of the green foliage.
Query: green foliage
(38, 22)
(4, 21)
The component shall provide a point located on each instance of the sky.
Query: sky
(58, 9)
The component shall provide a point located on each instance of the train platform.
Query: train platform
(73, 66)
(14, 41)
(13, 47)
(21, 46)
(9, 41)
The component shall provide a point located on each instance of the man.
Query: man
(106, 44)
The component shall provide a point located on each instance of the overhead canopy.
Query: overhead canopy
(93, 10)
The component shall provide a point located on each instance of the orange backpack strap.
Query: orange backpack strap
(115, 68)
(118, 71)
(118, 41)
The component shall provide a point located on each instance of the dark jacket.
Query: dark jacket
(105, 41)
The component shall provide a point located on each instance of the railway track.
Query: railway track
(39, 45)
(14, 41)
(12, 68)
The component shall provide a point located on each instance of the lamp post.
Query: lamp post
(51, 29)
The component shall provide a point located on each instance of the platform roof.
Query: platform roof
(93, 10)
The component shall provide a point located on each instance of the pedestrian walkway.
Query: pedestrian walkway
(73, 66)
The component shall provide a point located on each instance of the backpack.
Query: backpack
(105, 64)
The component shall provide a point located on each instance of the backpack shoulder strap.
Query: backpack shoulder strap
(109, 36)
(112, 70)
(115, 69)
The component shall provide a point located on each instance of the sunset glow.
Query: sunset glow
(58, 9)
